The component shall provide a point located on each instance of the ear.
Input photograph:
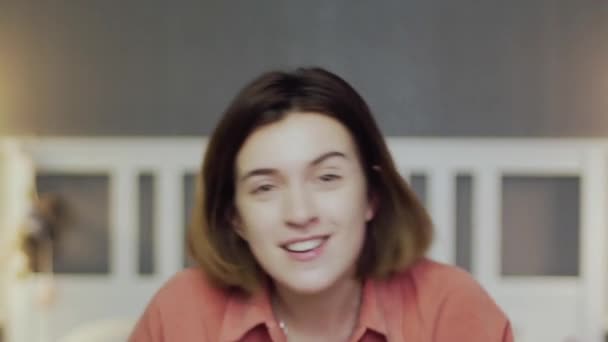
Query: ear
(373, 199)
(372, 206)
(237, 224)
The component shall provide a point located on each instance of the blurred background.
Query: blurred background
(105, 106)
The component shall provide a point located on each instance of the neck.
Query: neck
(333, 311)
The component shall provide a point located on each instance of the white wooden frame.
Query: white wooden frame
(123, 159)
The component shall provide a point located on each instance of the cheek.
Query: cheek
(347, 206)
(257, 220)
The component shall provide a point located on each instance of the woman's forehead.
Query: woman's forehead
(298, 139)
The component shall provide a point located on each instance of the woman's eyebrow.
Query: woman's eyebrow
(326, 156)
(315, 162)
(258, 172)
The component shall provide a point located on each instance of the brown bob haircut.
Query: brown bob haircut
(399, 233)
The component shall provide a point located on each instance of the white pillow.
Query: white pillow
(110, 330)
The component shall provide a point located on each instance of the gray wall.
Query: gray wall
(427, 68)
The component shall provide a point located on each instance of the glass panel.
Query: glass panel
(540, 226)
(189, 197)
(147, 195)
(82, 242)
(418, 184)
(464, 220)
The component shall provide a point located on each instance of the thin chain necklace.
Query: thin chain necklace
(283, 327)
(282, 324)
(285, 330)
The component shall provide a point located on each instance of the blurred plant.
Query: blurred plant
(47, 218)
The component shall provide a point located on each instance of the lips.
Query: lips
(306, 249)
(304, 245)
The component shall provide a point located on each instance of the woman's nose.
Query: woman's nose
(299, 209)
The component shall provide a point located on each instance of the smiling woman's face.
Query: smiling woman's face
(302, 201)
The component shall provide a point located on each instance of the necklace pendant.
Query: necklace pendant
(283, 327)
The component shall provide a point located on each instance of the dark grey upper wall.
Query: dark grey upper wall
(427, 68)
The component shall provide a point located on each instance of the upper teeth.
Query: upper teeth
(303, 246)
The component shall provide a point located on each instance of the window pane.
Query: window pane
(540, 226)
(418, 184)
(147, 227)
(464, 222)
(82, 244)
(189, 197)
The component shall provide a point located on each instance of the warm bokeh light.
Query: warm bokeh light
(2, 100)
(13, 64)
(5, 102)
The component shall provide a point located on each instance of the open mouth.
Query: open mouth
(307, 249)
(304, 246)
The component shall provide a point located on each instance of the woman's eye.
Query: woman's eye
(329, 178)
(262, 189)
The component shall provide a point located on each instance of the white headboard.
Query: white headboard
(542, 308)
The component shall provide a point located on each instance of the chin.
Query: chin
(308, 284)
(307, 289)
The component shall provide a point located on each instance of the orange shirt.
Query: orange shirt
(428, 302)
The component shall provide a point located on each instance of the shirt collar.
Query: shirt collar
(244, 313)
(371, 314)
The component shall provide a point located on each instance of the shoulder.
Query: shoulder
(435, 277)
(451, 303)
(183, 303)
(190, 292)
(190, 286)
(429, 283)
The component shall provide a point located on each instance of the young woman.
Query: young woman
(305, 231)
